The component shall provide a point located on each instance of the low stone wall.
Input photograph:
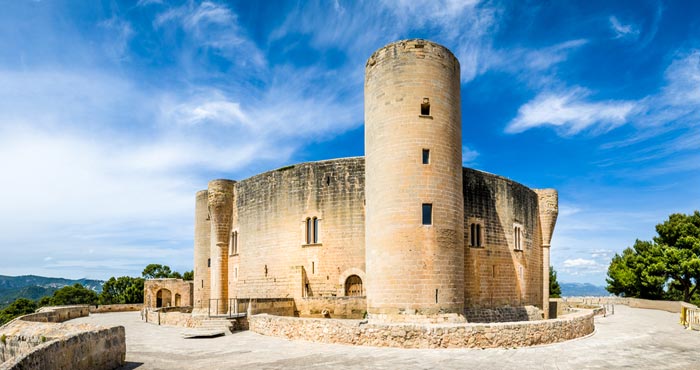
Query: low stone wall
(357, 332)
(57, 313)
(40, 341)
(503, 314)
(272, 306)
(173, 316)
(670, 306)
(103, 308)
(336, 307)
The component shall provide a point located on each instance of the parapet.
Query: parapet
(422, 49)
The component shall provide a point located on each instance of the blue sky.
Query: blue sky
(113, 114)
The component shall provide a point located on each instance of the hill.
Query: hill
(35, 287)
(582, 290)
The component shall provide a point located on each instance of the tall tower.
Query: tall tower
(548, 205)
(220, 198)
(415, 206)
(202, 246)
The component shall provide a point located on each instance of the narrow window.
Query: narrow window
(427, 214)
(265, 270)
(426, 156)
(478, 235)
(425, 107)
(202, 283)
(313, 267)
(517, 238)
(436, 296)
(472, 235)
(308, 230)
(208, 262)
(233, 244)
(315, 230)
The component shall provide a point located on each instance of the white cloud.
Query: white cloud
(628, 31)
(578, 262)
(468, 156)
(570, 112)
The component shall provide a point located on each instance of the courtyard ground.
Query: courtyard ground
(632, 338)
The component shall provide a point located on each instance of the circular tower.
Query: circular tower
(220, 199)
(415, 205)
(202, 246)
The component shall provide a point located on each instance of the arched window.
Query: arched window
(353, 286)
(517, 238)
(475, 237)
(233, 244)
(316, 229)
(309, 226)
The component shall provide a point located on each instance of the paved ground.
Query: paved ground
(632, 338)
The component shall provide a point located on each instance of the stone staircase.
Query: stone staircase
(218, 324)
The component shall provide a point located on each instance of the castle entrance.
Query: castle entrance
(163, 298)
(353, 286)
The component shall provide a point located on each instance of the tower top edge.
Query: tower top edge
(411, 45)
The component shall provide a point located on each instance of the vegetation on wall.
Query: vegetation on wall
(668, 267)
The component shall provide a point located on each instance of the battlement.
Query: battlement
(418, 48)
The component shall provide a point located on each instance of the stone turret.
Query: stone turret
(220, 198)
(202, 246)
(548, 204)
(415, 204)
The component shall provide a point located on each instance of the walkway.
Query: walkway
(632, 338)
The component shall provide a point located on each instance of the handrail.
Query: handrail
(227, 307)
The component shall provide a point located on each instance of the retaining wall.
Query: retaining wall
(360, 332)
(41, 341)
(337, 307)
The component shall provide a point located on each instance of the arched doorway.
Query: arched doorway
(177, 300)
(353, 286)
(163, 298)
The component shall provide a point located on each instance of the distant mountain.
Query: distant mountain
(582, 290)
(35, 287)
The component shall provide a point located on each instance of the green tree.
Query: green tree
(19, 307)
(73, 294)
(671, 261)
(156, 271)
(554, 288)
(188, 275)
(679, 237)
(123, 289)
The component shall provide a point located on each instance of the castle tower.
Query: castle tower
(202, 246)
(415, 206)
(220, 197)
(548, 205)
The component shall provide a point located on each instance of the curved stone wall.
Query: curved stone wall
(497, 274)
(494, 335)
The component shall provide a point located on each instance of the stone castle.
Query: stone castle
(403, 234)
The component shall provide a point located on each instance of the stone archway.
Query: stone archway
(163, 298)
(178, 299)
(353, 286)
(342, 279)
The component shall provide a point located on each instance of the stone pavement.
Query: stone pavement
(632, 338)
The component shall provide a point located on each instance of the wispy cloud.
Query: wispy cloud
(570, 112)
(626, 31)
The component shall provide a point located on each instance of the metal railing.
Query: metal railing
(230, 308)
(690, 317)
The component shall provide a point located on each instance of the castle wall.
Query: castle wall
(414, 267)
(176, 293)
(496, 274)
(273, 259)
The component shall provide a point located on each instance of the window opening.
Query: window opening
(425, 107)
(518, 238)
(233, 245)
(475, 235)
(208, 262)
(308, 230)
(265, 270)
(313, 267)
(436, 296)
(427, 214)
(315, 222)
(426, 156)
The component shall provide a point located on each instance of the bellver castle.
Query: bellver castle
(403, 234)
